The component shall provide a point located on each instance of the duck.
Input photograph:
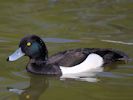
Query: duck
(71, 61)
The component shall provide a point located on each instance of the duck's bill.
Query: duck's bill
(16, 55)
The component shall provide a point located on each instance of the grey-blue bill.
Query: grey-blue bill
(16, 55)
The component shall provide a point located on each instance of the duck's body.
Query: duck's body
(67, 62)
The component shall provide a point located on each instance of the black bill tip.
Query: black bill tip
(7, 59)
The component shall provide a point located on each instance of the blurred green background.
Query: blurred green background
(94, 23)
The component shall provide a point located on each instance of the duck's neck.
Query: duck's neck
(38, 61)
(39, 66)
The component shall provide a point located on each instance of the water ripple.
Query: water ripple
(59, 40)
(118, 42)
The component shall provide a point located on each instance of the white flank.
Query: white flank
(92, 62)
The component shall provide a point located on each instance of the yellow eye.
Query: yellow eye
(28, 44)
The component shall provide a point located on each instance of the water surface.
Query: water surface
(65, 24)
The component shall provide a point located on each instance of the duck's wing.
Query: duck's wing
(76, 56)
(68, 58)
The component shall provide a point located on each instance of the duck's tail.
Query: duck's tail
(117, 55)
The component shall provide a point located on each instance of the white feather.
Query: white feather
(93, 61)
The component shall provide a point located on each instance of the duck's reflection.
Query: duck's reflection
(38, 85)
(113, 66)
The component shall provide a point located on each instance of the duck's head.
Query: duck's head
(32, 46)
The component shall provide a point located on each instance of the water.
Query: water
(65, 24)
